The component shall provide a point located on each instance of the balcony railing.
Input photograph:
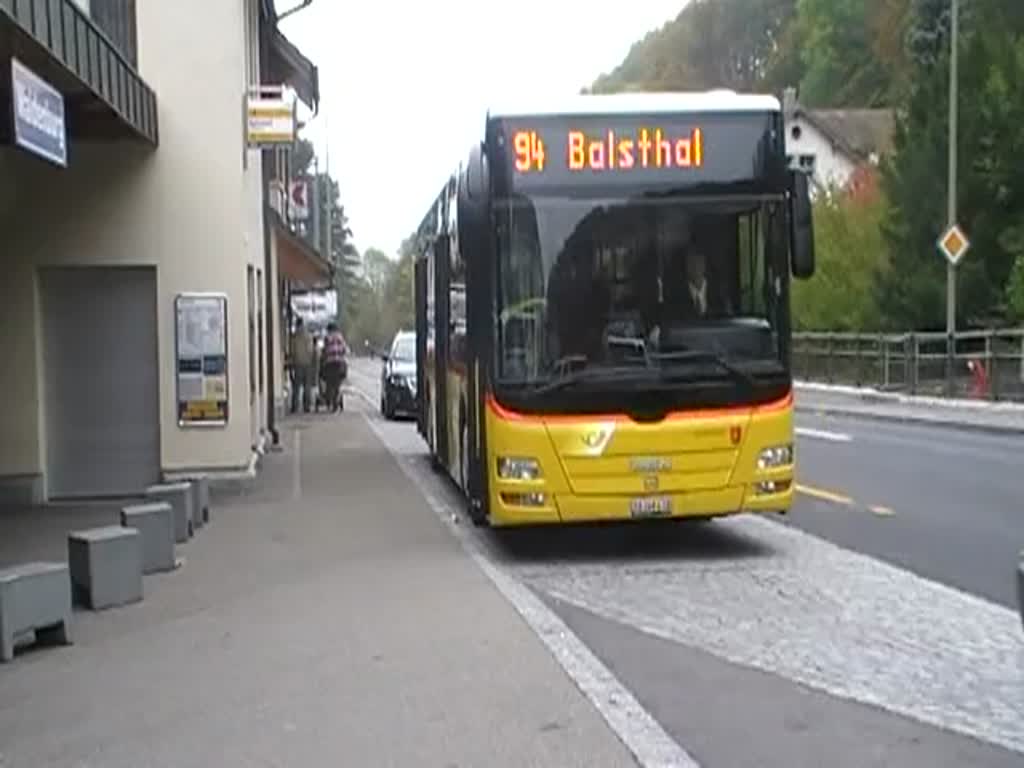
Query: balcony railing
(116, 19)
(98, 47)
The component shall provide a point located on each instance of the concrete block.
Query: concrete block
(155, 524)
(179, 496)
(34, 597)
(106, 566)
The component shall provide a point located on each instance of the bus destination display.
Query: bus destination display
(647, 148)
(547, 152)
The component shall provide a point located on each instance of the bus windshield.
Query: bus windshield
(639, 286)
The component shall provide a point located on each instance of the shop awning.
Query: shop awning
(298, 262)
(288, 65)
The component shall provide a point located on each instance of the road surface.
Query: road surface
(872, 627)
(944, 503)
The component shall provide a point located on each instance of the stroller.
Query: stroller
(321, 386)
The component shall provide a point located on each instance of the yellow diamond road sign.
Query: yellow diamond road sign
(954, 244)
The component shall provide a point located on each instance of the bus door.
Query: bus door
(420, 303)
(441, 326)
(478, 346)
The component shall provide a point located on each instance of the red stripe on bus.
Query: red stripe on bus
(502, 412)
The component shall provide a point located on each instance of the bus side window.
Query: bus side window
(750, 242)
(457, 311)
(430, 291)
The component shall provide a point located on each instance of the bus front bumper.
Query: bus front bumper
(538, 508)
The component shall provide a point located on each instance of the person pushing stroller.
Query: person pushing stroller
(334, 368)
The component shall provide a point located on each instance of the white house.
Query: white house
(126, 189)
(834, 144)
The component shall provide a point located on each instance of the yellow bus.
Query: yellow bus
(602, 298)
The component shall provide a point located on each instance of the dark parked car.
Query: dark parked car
(398, 377)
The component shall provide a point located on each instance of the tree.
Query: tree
(852, 51)
(1015, 289)
(851, 257)
(302, 157)
(390, 282)
(990, 192)
(398, 292)
(711, 44)
(377, 268)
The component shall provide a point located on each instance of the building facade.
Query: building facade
(841, 148)
(139, 267)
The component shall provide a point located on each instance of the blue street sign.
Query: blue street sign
(39, 123)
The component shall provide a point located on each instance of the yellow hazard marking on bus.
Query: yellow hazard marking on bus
(821, 493)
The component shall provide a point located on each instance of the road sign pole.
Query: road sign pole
(950, 265)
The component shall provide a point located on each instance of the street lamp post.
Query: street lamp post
(951, 191)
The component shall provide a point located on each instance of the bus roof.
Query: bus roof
(641, 103)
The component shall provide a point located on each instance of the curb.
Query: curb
(964, 426)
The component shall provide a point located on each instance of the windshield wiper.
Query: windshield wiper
(700, 356)
(625, 373)
(586, 374)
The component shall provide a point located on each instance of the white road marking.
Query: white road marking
(632, 724)
(821, 434)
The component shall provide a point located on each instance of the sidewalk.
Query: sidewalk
(999, 417)
(325, 617)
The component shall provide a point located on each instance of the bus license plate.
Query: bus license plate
(651, 506)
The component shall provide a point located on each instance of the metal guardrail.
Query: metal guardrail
(973, 364)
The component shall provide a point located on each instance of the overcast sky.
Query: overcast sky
(405, 85)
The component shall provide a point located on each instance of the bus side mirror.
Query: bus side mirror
(474, 204)
(801, 233)
(478, 182)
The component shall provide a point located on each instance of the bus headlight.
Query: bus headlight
(518, 468)
(776, 456)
